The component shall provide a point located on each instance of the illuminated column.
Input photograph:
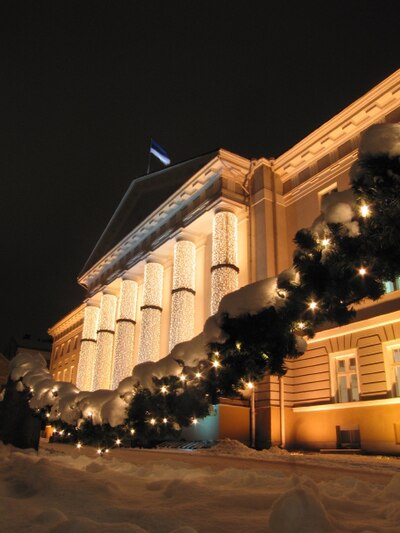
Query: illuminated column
(105, 341)
(87, 353)
(224, 269)
(149, 346)
(123, 361)
(183, 284)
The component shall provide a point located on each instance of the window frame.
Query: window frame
(391, 383)
(333, 358)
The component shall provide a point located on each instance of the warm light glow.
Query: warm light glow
(362, 271)
(152, 421)
(238, 345)
(123, 361)
(216, 364)
(198, 375)
(195, 421)
(182, 377)
(48, 415)
(313, 305)
(87, 354)
(250, 385)
(301, 325)
(132, 431)
(224, 273)
(365, 211)
(325, 242)
(149, 346)
(118, 442)
(79, 445)
(106, 450)
(105, 342)
(164, 420)
(99, 451)
(164, 389)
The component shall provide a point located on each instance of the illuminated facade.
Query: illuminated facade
(184, 237)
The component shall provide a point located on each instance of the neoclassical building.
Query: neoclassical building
(185, 236)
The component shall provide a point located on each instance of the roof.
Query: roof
(143, 196)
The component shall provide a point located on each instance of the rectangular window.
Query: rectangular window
(75, 343)
(65, 372)
(344, 378)
(392, 367)
(391, 286)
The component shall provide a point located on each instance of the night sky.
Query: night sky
(84, 85)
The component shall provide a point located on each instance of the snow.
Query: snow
(379, 140)
(228, 488)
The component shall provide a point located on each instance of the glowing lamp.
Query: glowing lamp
(365, 211)
(118, 442)
(132, 431)
(79, 445)
(313, 305)
(164, 420)
(194, 421)
(198, 375)
(163, 389)
(153, 421)
(182, 377)
(325, 242)
(362, 271)
(216, 364)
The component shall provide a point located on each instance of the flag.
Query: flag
(159, 152)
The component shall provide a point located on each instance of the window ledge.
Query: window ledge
(347, 405)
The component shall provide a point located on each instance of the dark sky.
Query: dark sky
(84, 85)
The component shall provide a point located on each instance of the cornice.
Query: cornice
(369, 109)
(71, 320)
(224, 163)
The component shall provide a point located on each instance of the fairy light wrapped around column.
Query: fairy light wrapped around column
(105, 341)
(123, 360)
(87, 354)
(150, 334)
(183, 293)
(224, 269)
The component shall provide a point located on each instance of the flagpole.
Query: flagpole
(149, 158)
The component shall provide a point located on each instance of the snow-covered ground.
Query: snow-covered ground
(226, 489)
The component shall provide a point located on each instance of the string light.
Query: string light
(164, 420)
(105, 342)
(78, 445)
(250, 385)
(99, 451)
(182, 377)
(149, 345)
(195, 421)
(301, 325)
(238, 345)
(153, 421)
(365, 211)
(118, 442)
(216, 364)
(132, 431)
(198, 375)
(164, 389)
(107, 450)
(362, 271)
(325, 242)
(313, 305)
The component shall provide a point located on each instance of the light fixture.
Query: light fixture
(325, 242)
(313, 305)
(250, 385)
(362, 271)
(216, 364)
(153, 421)
(163, 389)
(198, 375)
(194, 421)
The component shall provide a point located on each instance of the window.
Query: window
(75, 343)
(65, 374)
(391, 286)
(392, 364)
(71, 375)
(68, 346)
(344, 378)
(56, 353)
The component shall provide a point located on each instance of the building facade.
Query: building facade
(184, 237)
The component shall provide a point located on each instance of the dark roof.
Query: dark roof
(143, 196)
